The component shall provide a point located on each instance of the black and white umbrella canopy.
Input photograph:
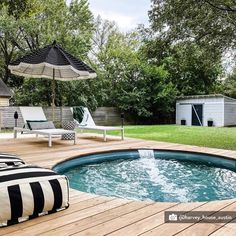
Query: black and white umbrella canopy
(52, 62)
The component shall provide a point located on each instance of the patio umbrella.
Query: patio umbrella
(52, 62)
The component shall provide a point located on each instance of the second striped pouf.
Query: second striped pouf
(9, 160)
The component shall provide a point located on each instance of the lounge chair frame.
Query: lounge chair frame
(89, 124)
(36, 113)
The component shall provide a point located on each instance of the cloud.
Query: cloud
(126, 13)
(124, 22)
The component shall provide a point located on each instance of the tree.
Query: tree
(41, 22)
(143, 74)
(140, 72)
(8, 28)
(126, 79)
(35, 25)
(194, 70)
(207, 22)
(229, 87)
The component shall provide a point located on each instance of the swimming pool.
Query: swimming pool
(155, 175)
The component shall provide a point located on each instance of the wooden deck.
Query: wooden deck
(95, 215)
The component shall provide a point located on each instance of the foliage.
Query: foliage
(48, 20)
(129, 81)
(230, 85)
(191, 68)
(43, 22)
(38, 92)
(210, 23)
(141, 72)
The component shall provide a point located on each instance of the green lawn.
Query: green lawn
(224, 138)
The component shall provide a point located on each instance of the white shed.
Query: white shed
(206, 110)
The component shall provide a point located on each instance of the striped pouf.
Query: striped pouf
(29, 191)
(9, 160)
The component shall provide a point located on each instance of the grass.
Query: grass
(6, 130)
(224, 138)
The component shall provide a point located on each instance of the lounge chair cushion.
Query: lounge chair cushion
(29, 191)
(37, 125)
(28, 122)
(9, 160)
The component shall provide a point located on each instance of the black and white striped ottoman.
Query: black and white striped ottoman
(9, 160)
(29, 191)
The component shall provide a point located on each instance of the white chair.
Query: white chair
(37, 114)
(88, 123)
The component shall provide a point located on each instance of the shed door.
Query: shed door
(197, 111)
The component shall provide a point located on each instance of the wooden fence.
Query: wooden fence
(102, 116)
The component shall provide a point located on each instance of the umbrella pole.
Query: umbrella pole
(53, 94)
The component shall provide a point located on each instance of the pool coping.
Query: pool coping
(135, 149)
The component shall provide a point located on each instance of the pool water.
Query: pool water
(154, 179)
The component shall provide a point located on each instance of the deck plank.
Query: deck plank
(227, 230)
(205, 228)
(120, 222)
(77, 213)
(94, 220)
(174, 228)
(153, 221)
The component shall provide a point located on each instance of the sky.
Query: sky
(126, 13)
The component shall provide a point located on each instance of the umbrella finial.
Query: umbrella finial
(54, 43)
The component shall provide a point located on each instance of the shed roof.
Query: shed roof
(4, 90)
(204, 96)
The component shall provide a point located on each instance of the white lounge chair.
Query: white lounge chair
(88, 123)
(37, 114)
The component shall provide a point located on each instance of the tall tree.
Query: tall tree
(35, 23)
(193, 69)
(211, 23)
(9, 33)
(126, 79)
(229, 85)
